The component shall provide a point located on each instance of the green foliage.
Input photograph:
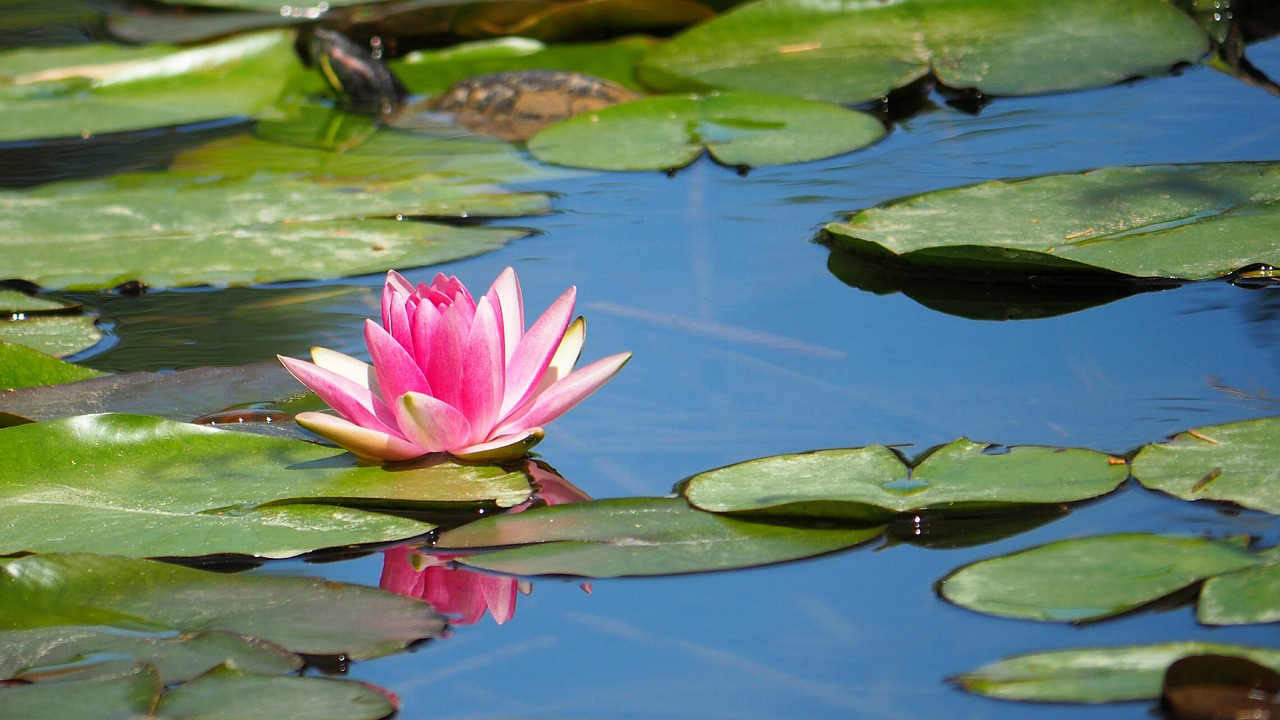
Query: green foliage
(1238, 462)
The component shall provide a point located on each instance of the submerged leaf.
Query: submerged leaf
(638, 536)
(1191, 222)
(1094, 675)
(1090, 578)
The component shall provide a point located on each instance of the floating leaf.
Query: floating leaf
(858, 52)
(1238, 462)
(142, 486)
(91, 89)
(1244, 597)
(1193, 222)
(38, 653)
(1207, 687)
(747, 129)
(303, 615)
(1090, 578)
(872, 483)
(21, 367)
(126, 696)
(638, 536)
(1094, 675)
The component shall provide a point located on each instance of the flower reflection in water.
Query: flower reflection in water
(465, 594)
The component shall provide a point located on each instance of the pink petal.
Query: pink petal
(360, 441)
(357, 371)
(566, 356)
(399, 574)
(432, 424)
(506, 295)
(565, 393)
(480, 393)
(396, 370)
(352, 400)
(501, 449)
(533, 354)
(448, 343)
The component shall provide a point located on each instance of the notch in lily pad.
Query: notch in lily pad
(736, 128)
(874, 484)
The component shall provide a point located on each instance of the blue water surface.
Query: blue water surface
(746, 346)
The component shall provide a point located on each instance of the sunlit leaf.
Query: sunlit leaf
(1191, 222)
(302, 615)
(55, 327)
(1095, 675)
(873, 482)
(858, 52)
(21, 367)
(50, 652)
(142, 486)
(227, 694)
(1244, 597)
(746, 129)
(1238, 462)
(1090, 578)
(91, 89)
(639, 536)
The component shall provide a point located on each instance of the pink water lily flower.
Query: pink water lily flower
(452, 374)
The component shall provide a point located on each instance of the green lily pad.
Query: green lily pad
(638, 536)
(142, 486)
(21, 367)
(858, 52)
(1090, 578)
(1244, 597)
(873, 483)
(302, 615)
(1095, 675)
(55, 327)
(99, 88)
(1237, 462)
(740, 129)
(1191, 222)
(221, 694)
(185, 229)
(47, 652)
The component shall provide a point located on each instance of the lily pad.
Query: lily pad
(1091, 578)
(858, 52)
(579, 19)
(21, 367)
(49, 652)
(142, 486)
(55, 327)
(221, 694)
(1190, 222)
(1095, 675)
(638, 536)
(873, 483)
(740, 129)
(302, 615)
(185, 229)
(98, 88)
(1237, 462)
(1244, 597)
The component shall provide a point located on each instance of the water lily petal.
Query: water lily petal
(501, 449)
(566, 356)
(360, 441)
(350, 399)
(533, 354)
(395, 309)
(396, 370)
(448, 344)
(431, 423)
(357, 371)
(565, 393)
(480, 392)
(506, 295)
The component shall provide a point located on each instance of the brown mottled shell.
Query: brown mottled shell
(514, 105)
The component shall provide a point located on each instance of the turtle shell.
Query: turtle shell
(515, 104)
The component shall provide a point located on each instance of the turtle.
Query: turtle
(512, 105)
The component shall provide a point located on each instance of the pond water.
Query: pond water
(746, 345)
